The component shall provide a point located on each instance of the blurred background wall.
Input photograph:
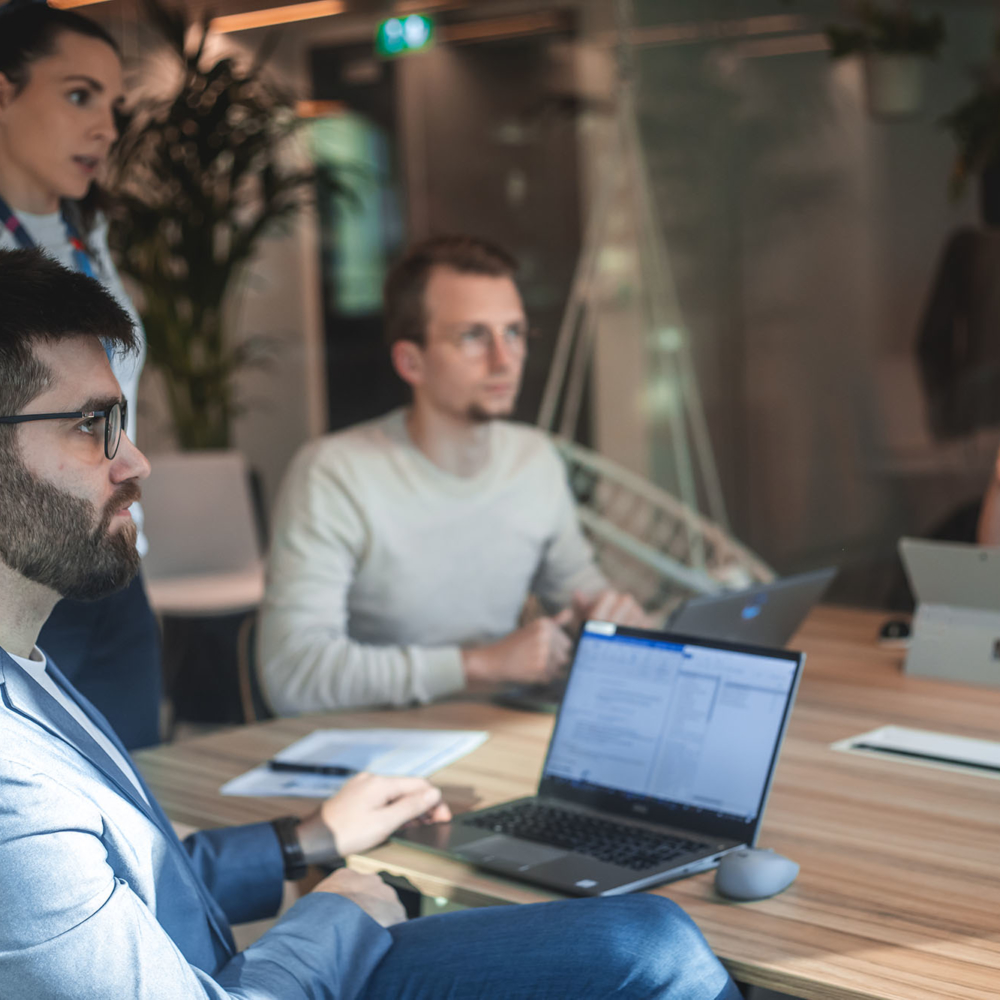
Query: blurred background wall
(802, 234)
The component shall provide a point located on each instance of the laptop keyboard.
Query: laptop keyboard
(603, 839)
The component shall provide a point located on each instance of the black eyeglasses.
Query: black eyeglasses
(115, 419)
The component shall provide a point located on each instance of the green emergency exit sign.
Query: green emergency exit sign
(400, 35)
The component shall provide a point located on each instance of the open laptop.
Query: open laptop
(956, 628)
(660, 763)
(764, 615)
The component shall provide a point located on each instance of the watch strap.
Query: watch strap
(286, 829)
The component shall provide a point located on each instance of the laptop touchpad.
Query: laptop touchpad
(507, 852)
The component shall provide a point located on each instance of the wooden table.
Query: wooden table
(899, 894)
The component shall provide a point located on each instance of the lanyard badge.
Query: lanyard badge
(81, 257)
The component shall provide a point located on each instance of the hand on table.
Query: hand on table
(366, 811)
(369, 892)
(610, 606)
(534, 654)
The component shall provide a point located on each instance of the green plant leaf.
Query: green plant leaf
(199, 178)
(894, 29)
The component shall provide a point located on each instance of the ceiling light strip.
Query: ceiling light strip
(789, 45)
(276, 15)
(707, 30)
(503, 27)
(67, 4)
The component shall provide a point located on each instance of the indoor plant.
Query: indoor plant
(200, 175)
(894, 43)
(975, 127)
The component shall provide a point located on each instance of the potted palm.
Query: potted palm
(894, 43)
(200, 175)
(975, 127)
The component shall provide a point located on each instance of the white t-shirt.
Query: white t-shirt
(49, 234)
(36, 669)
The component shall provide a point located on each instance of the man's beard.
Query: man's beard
(478, 414)
(46, 535)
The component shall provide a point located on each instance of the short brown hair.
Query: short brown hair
(44, 301)
(403, 295)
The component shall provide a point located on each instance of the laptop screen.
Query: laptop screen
(678, 731)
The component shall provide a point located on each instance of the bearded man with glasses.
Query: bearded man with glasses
(98, 897)
(76, 557)
(404, 549)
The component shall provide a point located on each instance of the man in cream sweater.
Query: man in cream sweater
(404, 548)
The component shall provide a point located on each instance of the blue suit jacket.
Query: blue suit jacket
(99, 899)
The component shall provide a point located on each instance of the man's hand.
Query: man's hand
(369, 892)
(365, 811)
(611, 606)
(533, 654)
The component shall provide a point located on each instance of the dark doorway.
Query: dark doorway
(489, 148)
(360, 232)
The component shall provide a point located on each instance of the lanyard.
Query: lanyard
(81, 257)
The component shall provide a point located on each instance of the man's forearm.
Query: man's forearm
(476, 666)
(242, 868)
(305, 668)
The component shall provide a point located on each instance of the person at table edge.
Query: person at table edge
(403, 549)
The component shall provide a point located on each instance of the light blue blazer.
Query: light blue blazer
(99, 900)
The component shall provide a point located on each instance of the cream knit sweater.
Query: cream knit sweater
(383, 565)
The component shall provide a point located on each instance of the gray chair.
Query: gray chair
(205, 554)
(648, 542)
(205, 577)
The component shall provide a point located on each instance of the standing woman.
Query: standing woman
(60, 84)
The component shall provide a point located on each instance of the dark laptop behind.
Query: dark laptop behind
(660, 762)
(765, 615)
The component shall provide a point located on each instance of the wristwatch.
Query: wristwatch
(286, 829)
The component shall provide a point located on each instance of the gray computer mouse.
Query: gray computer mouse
(751, 873)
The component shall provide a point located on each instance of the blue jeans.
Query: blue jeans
(640, 947)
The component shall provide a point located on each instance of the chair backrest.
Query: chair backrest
(253, 704)
(199, 516)
(647, 541)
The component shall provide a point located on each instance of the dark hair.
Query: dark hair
(403, 295)
(30, 30)
(44, 301)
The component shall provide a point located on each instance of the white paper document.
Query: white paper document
(920, 746)
(381, 751)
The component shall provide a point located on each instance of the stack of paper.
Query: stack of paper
(920, 746)
(382, 751)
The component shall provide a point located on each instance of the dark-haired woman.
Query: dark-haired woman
(60, 82)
